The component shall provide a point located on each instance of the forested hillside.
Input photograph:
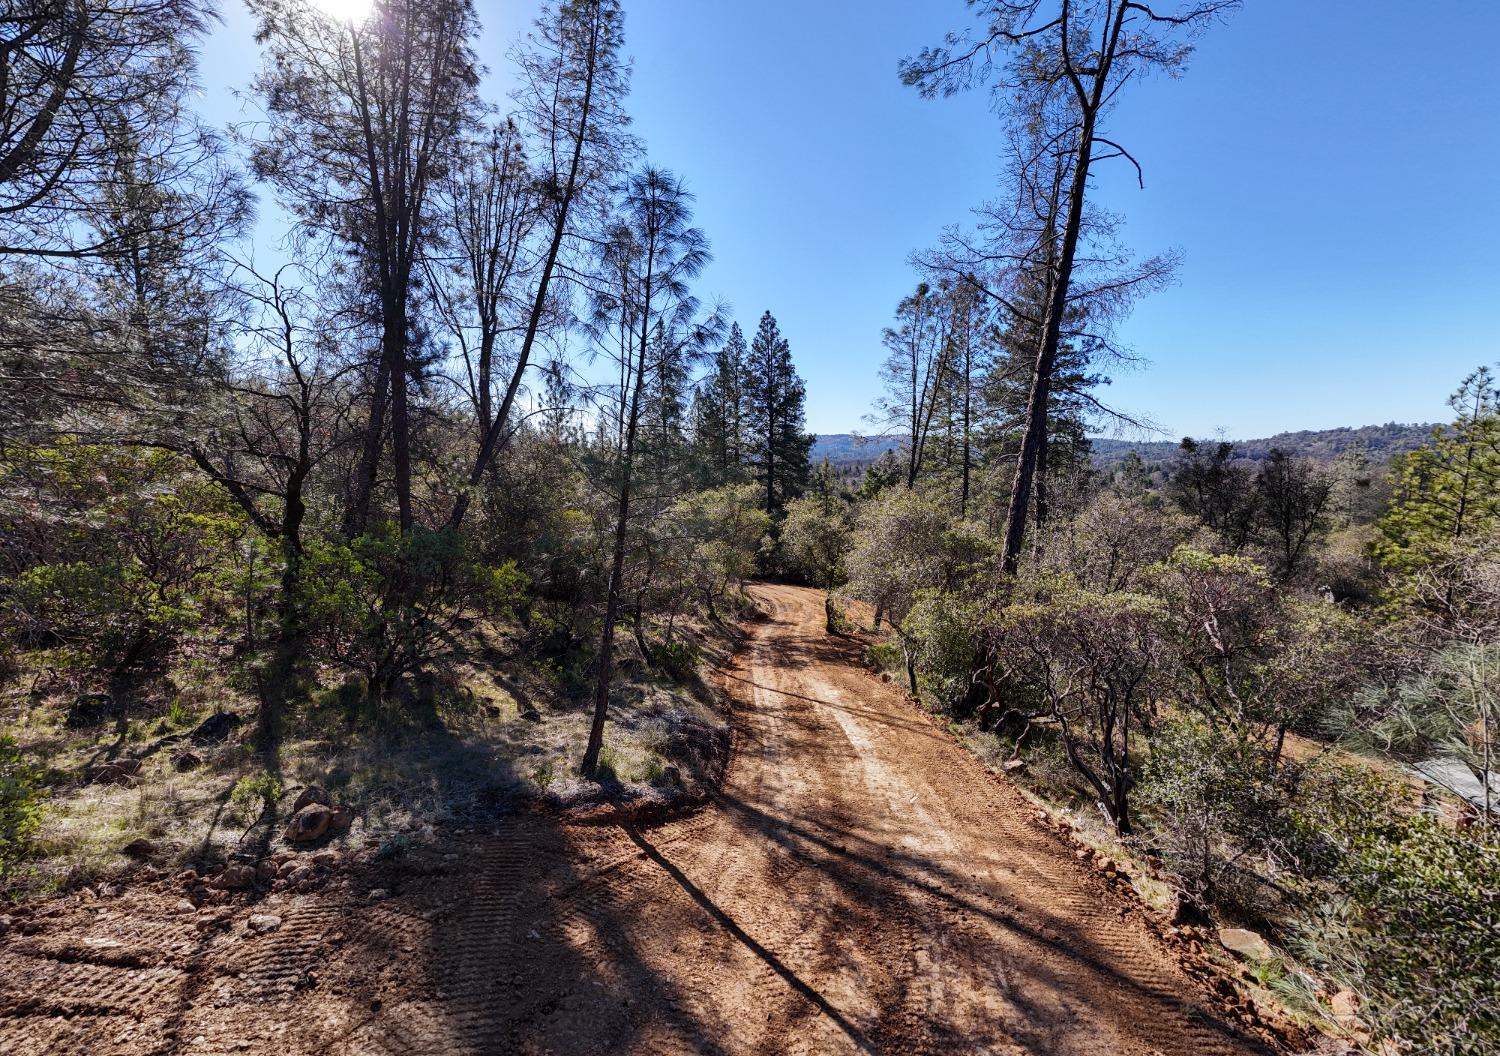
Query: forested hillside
(1377, 443)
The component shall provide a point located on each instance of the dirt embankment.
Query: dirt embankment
(860, 884)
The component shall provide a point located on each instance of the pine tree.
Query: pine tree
(718, 415)
(773, 397)
(1450, 489)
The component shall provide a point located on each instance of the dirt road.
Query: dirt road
(860, 885)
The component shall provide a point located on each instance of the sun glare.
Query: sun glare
(345, 10)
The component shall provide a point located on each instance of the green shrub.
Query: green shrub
(885, 656)
(1216, 807)
(654, 770)
(20, 805)
(386, 603)
(678, 660)
(940, 628)
(1424, 904)
(253, 795)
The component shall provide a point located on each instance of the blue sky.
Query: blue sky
(1330, 172)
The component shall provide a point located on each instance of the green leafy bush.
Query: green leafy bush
(253, 795)
(1425, 904)
(386, 603)
(678, 660)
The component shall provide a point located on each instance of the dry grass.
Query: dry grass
(489, 731)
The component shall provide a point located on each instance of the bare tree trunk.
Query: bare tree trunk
(357, 515)
(495, 437)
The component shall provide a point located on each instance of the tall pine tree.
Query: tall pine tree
(718, 415)
(773, 396)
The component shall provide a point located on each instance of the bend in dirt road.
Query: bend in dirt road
(861, 884)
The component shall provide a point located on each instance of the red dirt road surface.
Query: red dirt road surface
(860, 885)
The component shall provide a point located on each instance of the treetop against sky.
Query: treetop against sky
(1335, 270)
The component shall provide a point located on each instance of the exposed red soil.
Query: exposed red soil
(860, 884)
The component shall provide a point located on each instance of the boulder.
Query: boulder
(309, 796)
(235, 878)
(265, 871)
(1246, 944)
(216, 727)
(309, 825)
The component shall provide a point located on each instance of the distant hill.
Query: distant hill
(1380, 442)
(849, 449)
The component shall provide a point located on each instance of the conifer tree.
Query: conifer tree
(773, 397)
(1449, 489)
(718, 414)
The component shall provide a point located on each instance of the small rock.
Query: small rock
(210, 919)
(327, 859)
(261, 923)
(142, 848)
(235, 878)
(1013, 766)
(108, 890)
(301, 875)
(185, 760)
(1246, 944)
(1082, 854)
(310, 795)
(378, 894)
(531, 715)
(185, 906)
(309, 825)
(265, 872)
(6, 923)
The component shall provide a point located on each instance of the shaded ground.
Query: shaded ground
(861, 884)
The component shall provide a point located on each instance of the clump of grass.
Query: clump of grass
(544, 774)
(393, 847)
(654, 770)
(609, 764)
(181, 714)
